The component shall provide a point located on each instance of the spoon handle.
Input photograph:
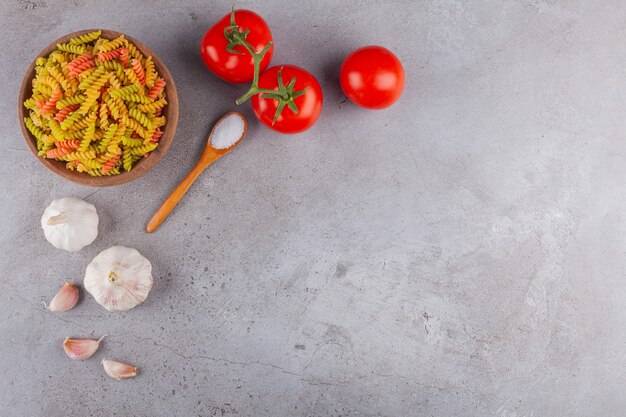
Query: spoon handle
(178, 193)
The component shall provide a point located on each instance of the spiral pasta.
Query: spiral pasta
(68, 144)
(96, 104)
(71, 48)
(46, 107)
(92, 78)
(151, 75)
(90, 132)
(59, 77)
(68, 101)
(138, 70)
(125, 91)
(156, 136)
(154, 92)
(86, 38)
(107, 138)
(103, 114)
(80, 64)
(116, 106)
(111, 45)
(152, 107)
(138, 98)
(124, 56)
(133, 51)
(89, 165)
(142, 118)
(131, 142)
(62, 114)
(101, 172)
(110, 163)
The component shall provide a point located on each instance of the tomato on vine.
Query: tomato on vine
(238, 49)
(228, 58)
(291, 108)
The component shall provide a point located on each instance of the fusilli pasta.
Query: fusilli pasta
(86, 38)
(96, 104)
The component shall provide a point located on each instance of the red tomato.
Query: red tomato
(231, 67)
(372, 77)
(309, 104)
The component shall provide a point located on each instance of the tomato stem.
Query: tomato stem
(284, 94)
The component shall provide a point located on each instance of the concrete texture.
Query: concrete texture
(459, 254)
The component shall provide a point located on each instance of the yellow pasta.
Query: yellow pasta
(78, 155)
(152, 107)
(74, 49)
(130, 142)
(111, 45)
(107, 138)
(86, 38)
(151, 75)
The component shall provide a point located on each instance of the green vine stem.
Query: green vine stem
(285, 93)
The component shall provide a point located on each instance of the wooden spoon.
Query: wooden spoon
(209, 155)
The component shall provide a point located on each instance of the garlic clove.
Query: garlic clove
(66, 298)
(118, 370)
(81, 349)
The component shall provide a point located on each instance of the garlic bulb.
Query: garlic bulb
(70, 223)
(119, 278)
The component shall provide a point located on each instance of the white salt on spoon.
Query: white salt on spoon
(228, 130)
(225, 135)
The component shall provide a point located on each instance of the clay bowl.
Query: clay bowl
(142, 166)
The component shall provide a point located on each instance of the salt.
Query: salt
(227, 131)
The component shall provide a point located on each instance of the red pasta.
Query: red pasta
(68, 144)
(80, 64)
(75, 71)
(138, 69)
(158, 87)
(48, 106)
(107, 56)
(108, 165)
(124, 56)
(56, 152)
(62, 114)
(156, 136)
(80, 60)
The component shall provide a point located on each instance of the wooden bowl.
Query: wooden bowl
(170, 111)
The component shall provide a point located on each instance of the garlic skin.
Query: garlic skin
(81, 349)
(65, 299)
(119, 278)
(118, 370)
(70, 223)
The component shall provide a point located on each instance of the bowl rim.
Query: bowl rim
(142, 166)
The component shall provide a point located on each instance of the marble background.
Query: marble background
(459, 254)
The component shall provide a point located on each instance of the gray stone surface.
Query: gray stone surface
(459, 254)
